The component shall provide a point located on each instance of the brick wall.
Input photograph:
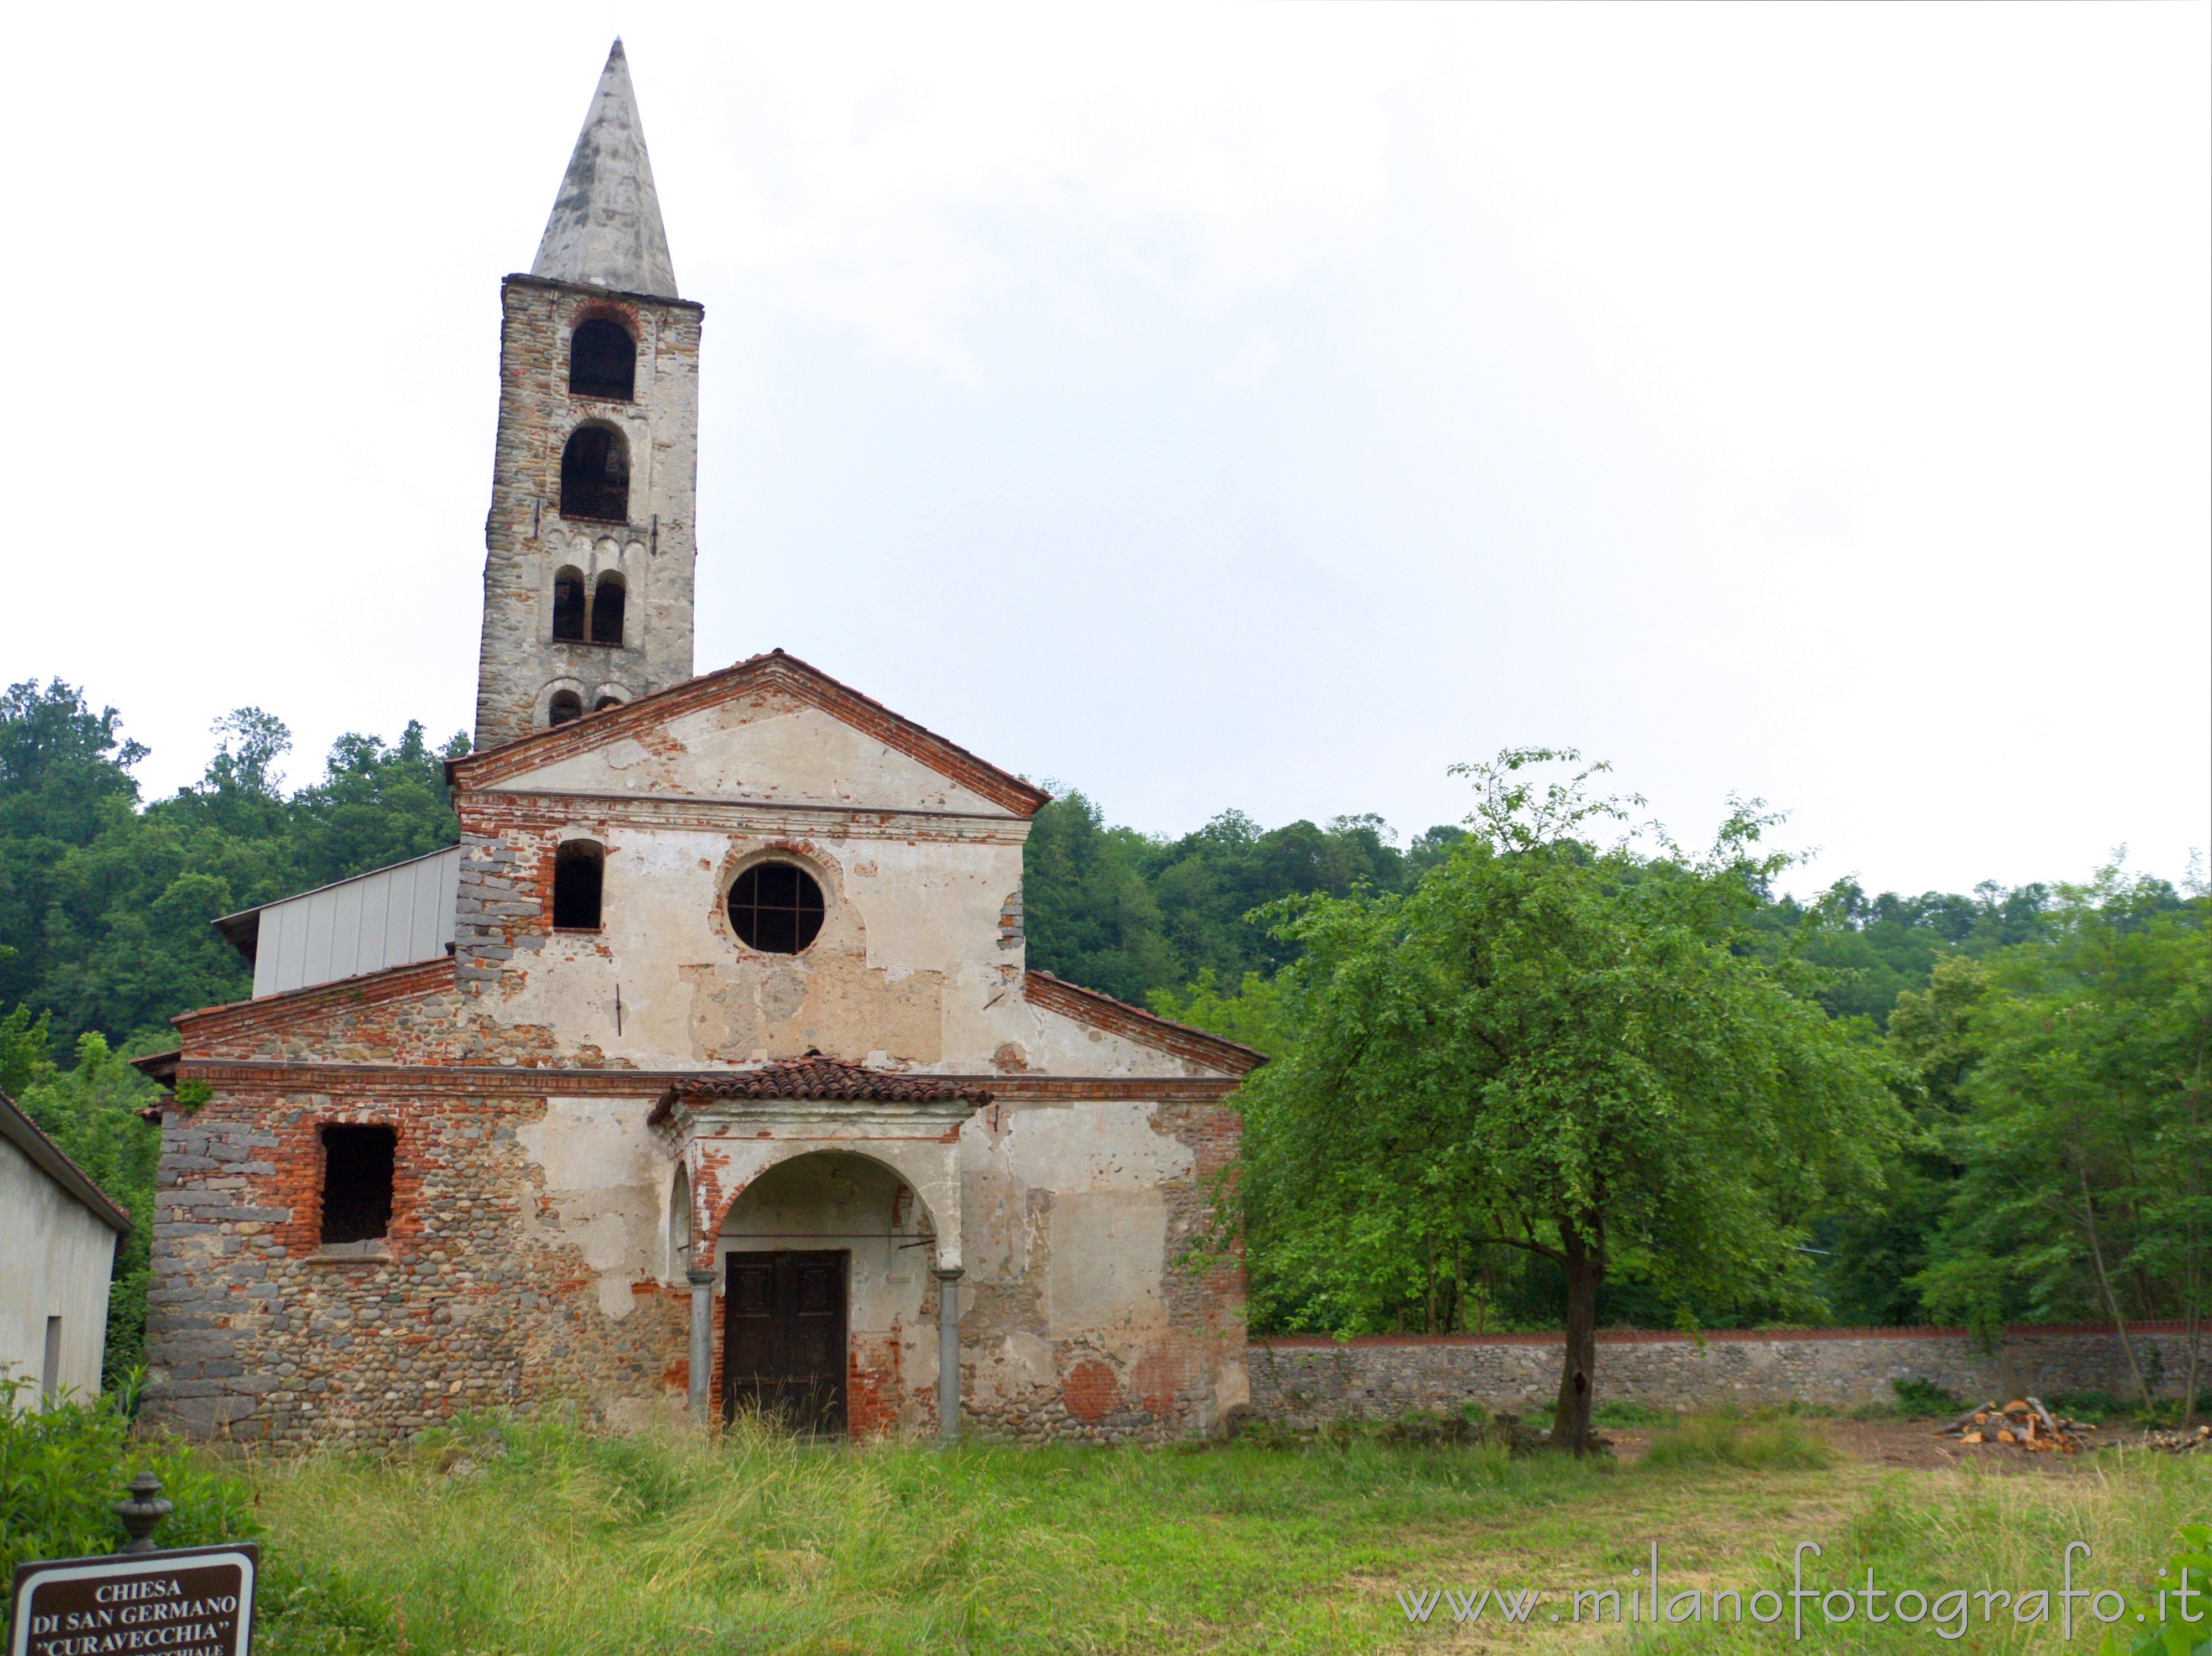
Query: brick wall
(1306, 1381)
(253, 1335)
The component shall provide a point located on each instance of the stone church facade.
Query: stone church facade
(706, 1073)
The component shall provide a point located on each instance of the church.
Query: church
(706, 1075)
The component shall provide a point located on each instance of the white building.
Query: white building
(58, 1233)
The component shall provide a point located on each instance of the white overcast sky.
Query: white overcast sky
(1262, 406)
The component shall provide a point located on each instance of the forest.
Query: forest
(1975, 1108)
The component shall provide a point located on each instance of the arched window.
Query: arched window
(578, 867)
(565, 708)
(607, 609)
(605, 702)
(595, 476)
(603, 361)
(679, 1224)
(568, 606)
(776, 907)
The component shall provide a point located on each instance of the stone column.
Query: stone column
(702, 1340)
(948, 1353)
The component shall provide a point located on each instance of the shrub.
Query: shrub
(62, 1469)
(1920, 1399)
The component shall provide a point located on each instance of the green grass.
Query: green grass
(1768, 1444)
(1996, 1531)
(538, 1539)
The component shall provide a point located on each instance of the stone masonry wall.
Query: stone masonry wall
(526, 538)
(1304, 1382)
(255, 1336)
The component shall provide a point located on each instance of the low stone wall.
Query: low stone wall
(1306, 1381)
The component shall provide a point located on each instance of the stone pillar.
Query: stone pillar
(948, 1353)
(702, 1340)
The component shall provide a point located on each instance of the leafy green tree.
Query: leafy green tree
(2085, 1148)
(1254, 1014)
(1562, 1048)
(1090, 915)
(1119, 911)
(1875, 949)
(65, 780)
(1208, 884)
(374, 806)
(1877, 1251)
(104, 907)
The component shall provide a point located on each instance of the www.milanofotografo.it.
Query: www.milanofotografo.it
(1808, 1610)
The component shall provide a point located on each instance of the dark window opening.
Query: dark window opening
(595, 476)
(607, 611)
(605, 702)
(566, 708)
(602, 362)
(578, 869)
(568, 607)
(356, 1184)
(776, 907)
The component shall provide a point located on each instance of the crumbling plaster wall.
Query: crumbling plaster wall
(913, 969)
(1083, 1319)
(764, 747)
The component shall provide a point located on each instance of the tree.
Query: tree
(104, 908)
(2085, 1147)
(1088, 912)
(1878, 1250)
(1563, 1049)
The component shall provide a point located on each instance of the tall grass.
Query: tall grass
(505, 1538)
(538, 1539)
(2003, 1531)
(1768, 1444)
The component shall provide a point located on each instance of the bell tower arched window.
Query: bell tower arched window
(595, 475)
(568, 606)
(603, 362)
(607, 599)
(565, 708)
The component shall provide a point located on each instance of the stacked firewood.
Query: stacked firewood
(2023, 1424)
(2188, 1439)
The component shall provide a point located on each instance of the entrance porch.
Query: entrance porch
(817, 1208)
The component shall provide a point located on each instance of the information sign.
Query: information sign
(193, 1601)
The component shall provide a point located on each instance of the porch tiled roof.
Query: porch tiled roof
(819, 1077)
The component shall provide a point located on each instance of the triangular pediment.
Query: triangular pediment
(770, 731)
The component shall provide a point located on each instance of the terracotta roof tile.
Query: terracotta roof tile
(819, 1077)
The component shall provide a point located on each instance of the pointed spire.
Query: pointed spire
(605, 230)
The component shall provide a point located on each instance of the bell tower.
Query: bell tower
(589, 576)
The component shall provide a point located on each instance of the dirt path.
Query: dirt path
(1912, 1445)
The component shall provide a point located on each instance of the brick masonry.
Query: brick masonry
(478, 1304)
(485, 1297)
(1304, 1382)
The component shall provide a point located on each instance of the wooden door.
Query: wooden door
(783, 1346)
